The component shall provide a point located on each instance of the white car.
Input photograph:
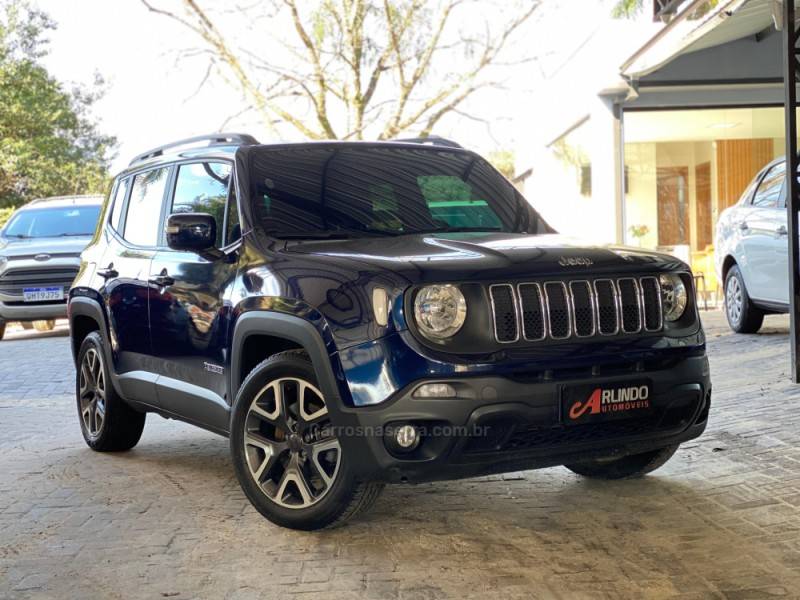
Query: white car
(752, 251)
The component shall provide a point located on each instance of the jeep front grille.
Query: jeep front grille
(560, 310)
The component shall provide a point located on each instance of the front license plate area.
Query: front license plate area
(594, 403)
(42, 294)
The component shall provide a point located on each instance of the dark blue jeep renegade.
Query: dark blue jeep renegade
(352, 314)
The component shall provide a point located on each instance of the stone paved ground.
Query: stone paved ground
(721, 520)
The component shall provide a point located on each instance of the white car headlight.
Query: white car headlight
(673, 296)
(440, 311)
(3, 261)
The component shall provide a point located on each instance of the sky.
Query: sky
(154, 96)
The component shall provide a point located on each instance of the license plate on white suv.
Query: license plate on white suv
(43, 294)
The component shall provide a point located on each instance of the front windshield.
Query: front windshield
(52, 222)
(331, 190)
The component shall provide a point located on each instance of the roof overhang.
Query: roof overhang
(729, 21)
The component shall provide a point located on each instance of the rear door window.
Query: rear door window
(144, 207)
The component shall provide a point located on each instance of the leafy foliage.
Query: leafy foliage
(627, 9)
(5, 215)
(49, 144)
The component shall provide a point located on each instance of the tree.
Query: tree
(49, 144)
(348, 69)
(630, 8)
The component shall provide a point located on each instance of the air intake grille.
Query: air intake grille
(575, 309)
(504, 306)
(532, 301)
(13, 281)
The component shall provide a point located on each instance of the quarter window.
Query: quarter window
(203, 188)
(119, 202)
(769, 190)
(144, 207)
(233, 227)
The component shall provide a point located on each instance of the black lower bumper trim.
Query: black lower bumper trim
(497, 425)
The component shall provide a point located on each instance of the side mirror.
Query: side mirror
(191, 232)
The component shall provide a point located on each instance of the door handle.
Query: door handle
(744, 226)
(109, 272)
(162, 279)
(782, 230)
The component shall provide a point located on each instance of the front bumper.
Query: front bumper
(497, 424)
(24, 272)
(33, 312)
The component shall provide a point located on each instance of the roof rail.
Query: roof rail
(213, 139)
(432, 140)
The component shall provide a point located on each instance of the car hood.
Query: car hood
(482, 256)
(54, 246)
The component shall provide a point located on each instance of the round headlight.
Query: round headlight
(440, 311)
(673, 296)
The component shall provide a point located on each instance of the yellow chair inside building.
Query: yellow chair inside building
(705, 277)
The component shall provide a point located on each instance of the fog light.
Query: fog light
(407, 437)
(435, 390)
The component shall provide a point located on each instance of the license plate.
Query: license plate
(44, 294)
(619, 400)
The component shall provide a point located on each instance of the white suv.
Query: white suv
(752, 251)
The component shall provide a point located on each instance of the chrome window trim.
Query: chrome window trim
(494, 312)
(542, 307)
(592, 307)
(569, 312)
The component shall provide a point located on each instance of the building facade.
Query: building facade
(676, 137)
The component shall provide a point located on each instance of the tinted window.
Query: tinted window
(769, 190)
(144, 207)
(382, 191)
(119, 202)
(53, 222)
(203, 188)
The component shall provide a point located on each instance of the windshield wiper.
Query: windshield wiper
(312, 235)
(73, 234)
(461, 230)
(18, 236)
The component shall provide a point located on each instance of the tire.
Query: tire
(304, 481)
(2, 329)
(108, 424)
(743, 316)
(627, 467)
(43, 326)
(27, 325)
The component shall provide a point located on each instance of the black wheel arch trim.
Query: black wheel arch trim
(82, 306)
(306, 335)
(290, 327)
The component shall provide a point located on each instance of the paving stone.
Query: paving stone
(168, 520)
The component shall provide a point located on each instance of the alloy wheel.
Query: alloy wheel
(92, 393)
(292, 453)
(734, 299)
